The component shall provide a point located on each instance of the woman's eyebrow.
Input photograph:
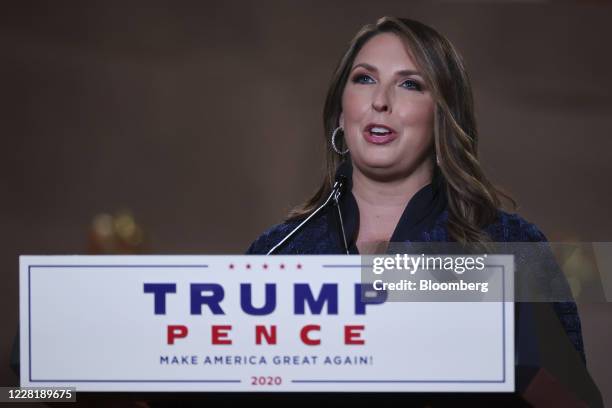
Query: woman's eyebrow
(372, 68)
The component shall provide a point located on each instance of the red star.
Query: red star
(299, 266)
(248, 266)
(265, 266)
(282, 266)
(231, 266)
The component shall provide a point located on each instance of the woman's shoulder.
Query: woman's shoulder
(271, 237)
(511, 227)
(311, 234)
(507, 227)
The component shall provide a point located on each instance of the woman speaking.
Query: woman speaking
(402, 158)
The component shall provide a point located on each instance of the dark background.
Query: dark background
(204, 120)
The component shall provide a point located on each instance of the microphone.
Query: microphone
(338, 188)
(344, 170)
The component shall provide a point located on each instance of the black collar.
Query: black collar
(420, 214)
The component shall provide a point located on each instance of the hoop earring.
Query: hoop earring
(333, 141)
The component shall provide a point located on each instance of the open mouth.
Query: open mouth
(379, 134)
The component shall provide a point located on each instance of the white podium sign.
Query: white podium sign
(249, 324)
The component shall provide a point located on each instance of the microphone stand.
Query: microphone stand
(335, 196)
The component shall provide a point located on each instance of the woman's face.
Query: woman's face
(387, 113)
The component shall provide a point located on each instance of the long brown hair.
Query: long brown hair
(472, 200)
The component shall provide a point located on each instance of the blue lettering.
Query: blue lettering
(246, 300)
(367, 295)
(303, 295)
(159, 291)
(212, 300)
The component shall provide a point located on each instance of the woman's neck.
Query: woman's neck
(381, 204)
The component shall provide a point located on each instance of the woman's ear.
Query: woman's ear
(341, 120)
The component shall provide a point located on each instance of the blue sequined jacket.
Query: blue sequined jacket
(424, 219)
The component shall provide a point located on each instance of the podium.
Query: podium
(277, 329)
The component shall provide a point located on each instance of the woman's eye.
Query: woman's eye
(412, 84)
(362, 79)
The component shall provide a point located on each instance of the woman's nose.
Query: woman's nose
(381, 102)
